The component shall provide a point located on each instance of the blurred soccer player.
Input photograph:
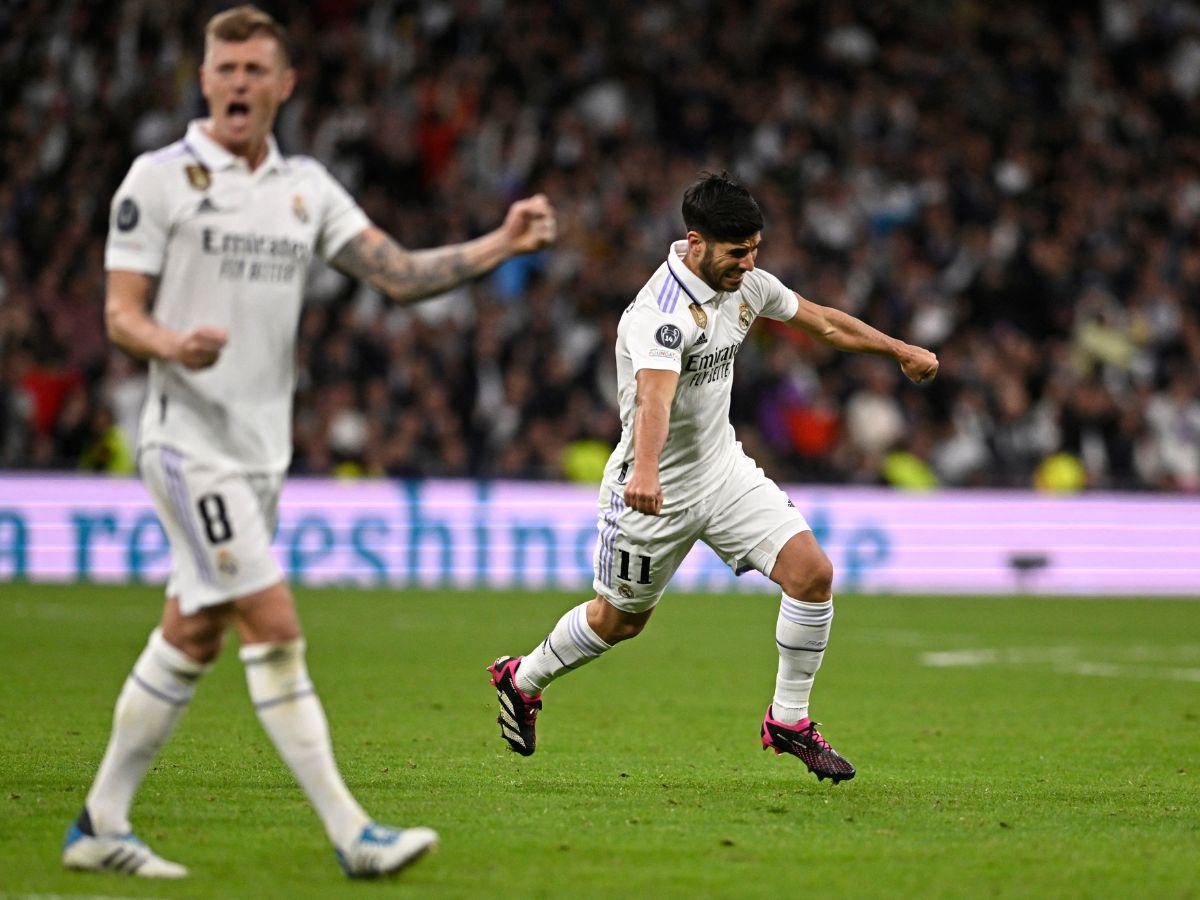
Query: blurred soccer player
(214, 235)
(679, 475)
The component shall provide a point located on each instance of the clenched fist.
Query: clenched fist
(200, 348)
(917, 363)
(530, 224)
(644, 492)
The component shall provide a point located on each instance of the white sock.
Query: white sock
(801, 633)
(154, 697)
(289, 710)
(570, 645)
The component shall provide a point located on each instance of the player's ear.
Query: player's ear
(695, 244)
(289, 83)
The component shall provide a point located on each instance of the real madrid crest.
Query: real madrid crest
(299, 210)
(226, 562)
(699, 315)
(198, 177)
(745, 317)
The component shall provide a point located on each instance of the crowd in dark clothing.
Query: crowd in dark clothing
(1014, 185)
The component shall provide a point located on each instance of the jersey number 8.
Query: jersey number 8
(216, 520)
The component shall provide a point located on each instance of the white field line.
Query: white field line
(1109, 670)
(1066, 661)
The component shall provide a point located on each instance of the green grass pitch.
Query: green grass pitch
(1018, 746)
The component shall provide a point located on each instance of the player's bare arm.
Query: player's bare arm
(410, 275)
(131, 327)
(845, 332)
(651, 422)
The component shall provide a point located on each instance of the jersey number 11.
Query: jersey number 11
(643, 574)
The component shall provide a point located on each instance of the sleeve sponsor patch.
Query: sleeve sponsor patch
(669, 336)
(662, 354)
(127, 215)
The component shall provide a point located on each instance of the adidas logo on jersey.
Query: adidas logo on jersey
(703, 340)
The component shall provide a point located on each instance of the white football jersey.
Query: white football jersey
(678, 323)
(230, 249)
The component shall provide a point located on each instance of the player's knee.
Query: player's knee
(275, 655)
(623, 630)
(201, 644)
(276, 672)
(199, 635)
(811, 584)
(614, 625)
(268, 617)
(205, 649)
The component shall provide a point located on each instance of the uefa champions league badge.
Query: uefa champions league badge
(669, 336)
(127, 215)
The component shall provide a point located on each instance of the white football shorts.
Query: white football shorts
(747, 520)
(219, 524)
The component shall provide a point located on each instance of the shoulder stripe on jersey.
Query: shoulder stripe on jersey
(668, 296)
(662, 292)
(169, 152)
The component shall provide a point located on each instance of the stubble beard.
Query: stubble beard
(712, 276)
(708, 271)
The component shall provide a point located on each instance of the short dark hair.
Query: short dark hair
(242, 23)
(721, 209)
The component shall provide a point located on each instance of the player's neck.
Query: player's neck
(254, 152)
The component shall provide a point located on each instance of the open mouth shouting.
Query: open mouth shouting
(237, 113)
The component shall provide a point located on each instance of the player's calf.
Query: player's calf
(154, 697)
(291, 713)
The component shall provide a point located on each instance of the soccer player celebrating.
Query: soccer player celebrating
(216, 232)
(679, 475)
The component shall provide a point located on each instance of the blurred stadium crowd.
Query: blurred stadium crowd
(1015, 185)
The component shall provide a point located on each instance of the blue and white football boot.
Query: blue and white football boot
(123, 853)
(380, 850)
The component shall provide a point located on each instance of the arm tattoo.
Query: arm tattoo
(403, 275)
